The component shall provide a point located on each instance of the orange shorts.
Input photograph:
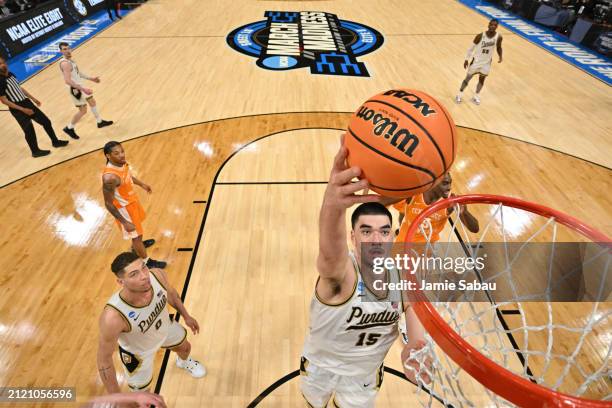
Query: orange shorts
(135, 214)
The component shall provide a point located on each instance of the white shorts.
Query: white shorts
(138, 368)
(82, 101)
(479, 68)
(319, 386)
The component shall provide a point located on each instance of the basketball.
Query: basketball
(403, 140)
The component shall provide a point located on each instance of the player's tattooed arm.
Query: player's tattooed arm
(109, 184)
(110, 325)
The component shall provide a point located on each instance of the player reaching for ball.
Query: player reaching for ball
(344, 351)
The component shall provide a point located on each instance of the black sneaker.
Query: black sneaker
(104, 123)
(60, 143)
(71, 133)
(40, 153)
(152, 263)
(148, 243)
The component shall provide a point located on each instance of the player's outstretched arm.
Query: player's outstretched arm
(333, 261)
(175, 301)
(110, 325)
(142, 399)
(142, 184)
(415, 368)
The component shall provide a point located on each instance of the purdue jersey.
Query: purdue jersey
(148, 324)
(354, 337)
(483, 53)
(74, 75)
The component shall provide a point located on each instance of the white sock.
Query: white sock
(460, 93)
(94, 110)
(70, 126)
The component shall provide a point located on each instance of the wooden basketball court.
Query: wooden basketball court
(238, 158)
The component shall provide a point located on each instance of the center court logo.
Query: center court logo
(315, 39)
(80, 7)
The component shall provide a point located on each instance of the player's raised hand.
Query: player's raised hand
(341, 190)
(462, 207)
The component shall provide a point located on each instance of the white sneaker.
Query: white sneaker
(476, 100)
(192, 366)
(458, 99)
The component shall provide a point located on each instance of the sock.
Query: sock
(94, 110)
(70, 126)
(460, 93)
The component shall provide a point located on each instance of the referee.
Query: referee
(23, 109)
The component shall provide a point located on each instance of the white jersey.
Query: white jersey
(148, 324)
(353, 338)
(483, 53)
(75, 74)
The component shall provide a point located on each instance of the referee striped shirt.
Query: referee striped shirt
(9, 87)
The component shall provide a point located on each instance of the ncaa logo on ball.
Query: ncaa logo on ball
(80, 7)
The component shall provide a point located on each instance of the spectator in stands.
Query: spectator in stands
(23, 5)
(4, 10)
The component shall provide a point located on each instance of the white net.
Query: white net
(547, 318)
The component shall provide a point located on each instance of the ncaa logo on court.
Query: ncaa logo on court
(315, 39)
(80, 7)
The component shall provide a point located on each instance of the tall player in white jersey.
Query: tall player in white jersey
(79, 95)
(136, 317)
(481, 54)
(349, 337)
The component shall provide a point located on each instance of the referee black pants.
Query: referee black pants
(110, 6)
(26, 124)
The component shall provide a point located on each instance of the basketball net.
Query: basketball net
(522, 350)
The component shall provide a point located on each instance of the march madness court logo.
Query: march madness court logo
(319, 40)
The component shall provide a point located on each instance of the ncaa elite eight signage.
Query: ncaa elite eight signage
(315, 39)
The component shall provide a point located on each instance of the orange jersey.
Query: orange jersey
(432, 225)
(124, 194)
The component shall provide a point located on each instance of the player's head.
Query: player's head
(3, 66)
(132, 272)
(114, 153)
(493, 24)
(371, 225)
(65, 49)
(443, 188)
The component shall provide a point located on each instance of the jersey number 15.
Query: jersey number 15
(370, 340)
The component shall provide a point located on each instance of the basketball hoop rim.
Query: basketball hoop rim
(498, 379)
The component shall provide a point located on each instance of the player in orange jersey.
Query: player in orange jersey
(122, 202)
(411, 207)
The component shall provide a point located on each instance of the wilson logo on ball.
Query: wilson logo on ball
(383, 124)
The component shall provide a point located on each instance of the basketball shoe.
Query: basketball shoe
(192, 366)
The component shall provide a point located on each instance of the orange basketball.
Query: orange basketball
(403, 140)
